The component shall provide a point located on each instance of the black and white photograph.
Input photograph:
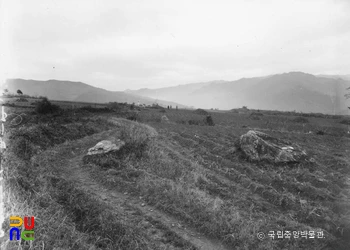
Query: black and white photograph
(175, 125)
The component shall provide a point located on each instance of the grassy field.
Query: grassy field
(178, 184)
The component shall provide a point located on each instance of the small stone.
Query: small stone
(165, 118)
(303, 202)
(143, 204)
(112, 171)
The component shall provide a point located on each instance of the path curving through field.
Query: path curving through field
(129, 208)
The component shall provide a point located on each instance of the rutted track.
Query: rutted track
(130, 209)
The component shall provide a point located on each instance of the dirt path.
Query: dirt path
(129, 208)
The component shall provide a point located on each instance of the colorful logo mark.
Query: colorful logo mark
(28, 233)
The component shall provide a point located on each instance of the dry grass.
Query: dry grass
(192, 173)
(65, 216)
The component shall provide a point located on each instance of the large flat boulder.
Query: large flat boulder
(105, 147)
(259, 146)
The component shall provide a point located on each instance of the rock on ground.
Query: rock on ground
(165, 118)
(105, 146)
(260, 146)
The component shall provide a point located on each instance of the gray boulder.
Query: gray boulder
(260, 146)
(165, 119)
(105, 147)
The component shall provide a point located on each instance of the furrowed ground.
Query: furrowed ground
(175, 185)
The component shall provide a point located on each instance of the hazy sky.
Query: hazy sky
(130, 44)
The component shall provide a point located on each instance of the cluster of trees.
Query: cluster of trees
(18, 91)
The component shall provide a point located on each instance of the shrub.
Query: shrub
(22, 100)
(346, 122)
(193, 122)
(181, 122)
(23, 148)
(200, 112)
(300, 120)
(115, 106)
(256, 114)
(137, 138)
(254, 117)
(132, 116)
(46, 107)
(209, 120)
(320, 132)
(95, 110)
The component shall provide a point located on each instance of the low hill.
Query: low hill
(79, 92)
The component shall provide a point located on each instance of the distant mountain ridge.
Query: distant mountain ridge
(286, 92)
(79, 92)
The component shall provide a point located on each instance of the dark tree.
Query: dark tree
(209, 120)
(19, 92)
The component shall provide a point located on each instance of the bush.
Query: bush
(254, 117)
(22, 100)
(137, 138)
(256, 114)
(300, 120)
(46, 107)
(181, 122)
(209, 120)
(95, 110)
(194, 122)
(200, 112)
(346, 122)
(132, 116)
(115, 106)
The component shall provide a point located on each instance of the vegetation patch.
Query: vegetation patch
(194, 174)
(300, 119)
(200, 112)
(345, 121)
(46, 107)
(22, 100)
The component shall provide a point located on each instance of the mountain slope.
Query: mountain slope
(78, 91)
(287, 92)
(181, 93)
(344, 77)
